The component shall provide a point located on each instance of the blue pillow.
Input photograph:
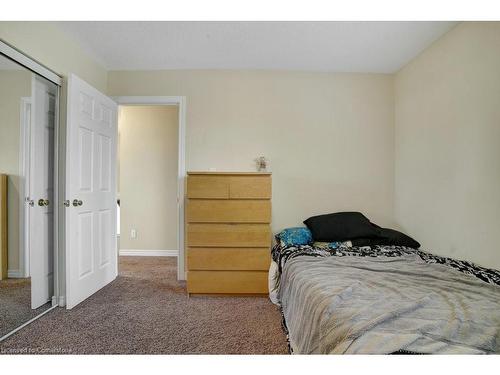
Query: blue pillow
(295, 236)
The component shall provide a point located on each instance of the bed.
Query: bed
(383, 299)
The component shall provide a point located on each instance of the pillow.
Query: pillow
(393, 237)
(341, 226)
(294, 236)
(387, 237)
(360, 242)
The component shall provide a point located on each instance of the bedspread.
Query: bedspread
(386, 299)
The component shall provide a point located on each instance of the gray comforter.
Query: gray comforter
(386, 304)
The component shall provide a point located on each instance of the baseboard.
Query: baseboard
(148, 253)
(14, 274)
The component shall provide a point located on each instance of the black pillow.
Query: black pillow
(393, 237)
(359, 242)
(341, 226)
(387, 237)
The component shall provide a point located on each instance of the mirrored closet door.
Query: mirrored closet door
(28, 107)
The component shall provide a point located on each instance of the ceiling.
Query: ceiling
(367, 47)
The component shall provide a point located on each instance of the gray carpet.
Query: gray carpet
(146, 310)
(15, 304)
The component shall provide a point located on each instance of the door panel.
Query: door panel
(41, 217)
(105, 245)
(104, 163)
(85, 228)
(85, 150)
(91, 260)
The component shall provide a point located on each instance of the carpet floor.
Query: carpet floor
(15, 304)
(146, 311)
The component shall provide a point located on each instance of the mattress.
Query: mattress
(383, 300)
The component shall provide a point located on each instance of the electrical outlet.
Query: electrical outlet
(133, 233)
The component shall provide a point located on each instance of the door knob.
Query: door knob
(77, 202)
(43, 202)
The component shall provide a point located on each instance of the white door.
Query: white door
(91, 256)
(41, 215)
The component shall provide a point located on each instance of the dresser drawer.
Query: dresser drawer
(228, 235)
(228, 282)
(228, 211)
(229, 186)
(213, 258)
(204, 186)
(250, 187)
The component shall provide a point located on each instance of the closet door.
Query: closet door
(42, 192)
(91, 254)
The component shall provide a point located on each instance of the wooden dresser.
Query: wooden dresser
(228, 234)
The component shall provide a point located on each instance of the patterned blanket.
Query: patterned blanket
(282, 254)
(386, 299)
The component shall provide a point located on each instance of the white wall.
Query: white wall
(447, 144)
(148, 137)
(329, 137)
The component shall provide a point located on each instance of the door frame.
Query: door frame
(181, 169)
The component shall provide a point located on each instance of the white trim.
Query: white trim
(148, 253)
(181, 102)
(58, 198)
(181, 169)
(29, 63)
(15, 274)
(26, 107)
(148, 100)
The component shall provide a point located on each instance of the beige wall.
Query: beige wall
(329, 137)
(14, 84)
(447, 154)
(148, 137)
(46, 43)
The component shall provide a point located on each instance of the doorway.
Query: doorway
(147, 184)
